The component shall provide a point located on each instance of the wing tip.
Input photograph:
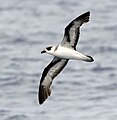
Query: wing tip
(44, 93)
(85, 16)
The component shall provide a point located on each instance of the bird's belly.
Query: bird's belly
(66, 53)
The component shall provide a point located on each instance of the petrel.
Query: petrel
(62, 53)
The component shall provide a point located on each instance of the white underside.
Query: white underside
(67, 53)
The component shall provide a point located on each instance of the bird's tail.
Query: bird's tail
(83, 57)
(89, 59)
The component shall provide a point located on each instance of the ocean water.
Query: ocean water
(83, 91)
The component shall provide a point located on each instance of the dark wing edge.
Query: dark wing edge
(49, 73)
(72, 31)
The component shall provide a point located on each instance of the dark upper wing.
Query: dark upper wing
(72, 31)
(49, 73)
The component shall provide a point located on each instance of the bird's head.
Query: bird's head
(49, 50)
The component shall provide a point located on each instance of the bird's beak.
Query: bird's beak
(43, 51)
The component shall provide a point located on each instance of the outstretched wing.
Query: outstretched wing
(72, 30)
(49, 73)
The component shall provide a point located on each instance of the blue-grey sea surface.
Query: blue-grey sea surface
(83, 91)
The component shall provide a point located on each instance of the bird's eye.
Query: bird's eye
(49, 48)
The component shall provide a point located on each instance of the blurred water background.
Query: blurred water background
(83, 91)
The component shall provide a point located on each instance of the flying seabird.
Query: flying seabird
(62, 53)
